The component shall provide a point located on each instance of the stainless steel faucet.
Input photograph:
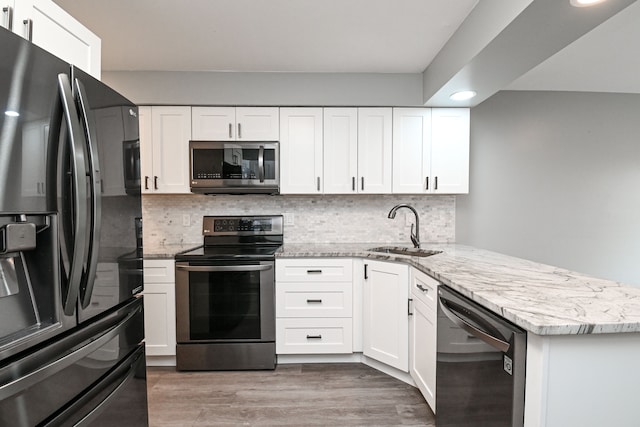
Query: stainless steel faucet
(415, 237)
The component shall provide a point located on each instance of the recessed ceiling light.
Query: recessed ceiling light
(10, 113)
(585, 3)
(463, 95)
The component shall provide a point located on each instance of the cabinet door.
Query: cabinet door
(374, 150)
(257, 124)
(340, 146)
(423, 350)
(110, 132)
(450, 150)
(34, 147)
(171, 132)
(411, 149)
(213, 123)
(159, 307)
(50, 27)
(160, 319)
(385, 312)
(301, 150)
(146, 149)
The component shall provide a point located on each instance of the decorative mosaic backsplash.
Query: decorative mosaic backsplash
(320, 219)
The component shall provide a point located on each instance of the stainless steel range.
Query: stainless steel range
(225, 295)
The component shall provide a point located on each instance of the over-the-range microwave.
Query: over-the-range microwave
(229, 167)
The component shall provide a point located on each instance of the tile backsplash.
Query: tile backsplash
(321, 219)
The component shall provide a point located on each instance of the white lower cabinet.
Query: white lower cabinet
(385, 313)
(314, 306)
(422, 342)
(159, 307)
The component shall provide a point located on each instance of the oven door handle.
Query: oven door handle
(206, 269)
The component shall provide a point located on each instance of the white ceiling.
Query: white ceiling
(353, 36)
(378, 36)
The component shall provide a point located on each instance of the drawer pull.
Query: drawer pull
(314, 337)
(314, 271)
(312, 301)
(422, 288)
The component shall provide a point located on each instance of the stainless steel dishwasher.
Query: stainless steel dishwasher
(480, 371)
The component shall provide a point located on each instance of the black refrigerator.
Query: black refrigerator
(71, 312)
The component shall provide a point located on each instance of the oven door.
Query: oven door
(225, 302)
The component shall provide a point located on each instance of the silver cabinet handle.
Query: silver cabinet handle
(230, 130)
(409, 313)
(362, 183)
(318, 184)
(314, 301)
(8, 20)
(314, 337)
(28, 29)
(353, 183)
(239, 131)
(208, 269)
(422, 288)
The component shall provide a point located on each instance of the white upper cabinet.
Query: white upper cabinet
(411, 149)
(431, 150)
(374, 150)
(47, 25)
(301, 150)
(235, 124)
(450, 128)
(357, 150)
(164, 149)
(340, 150)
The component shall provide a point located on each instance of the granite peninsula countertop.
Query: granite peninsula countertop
(542, 299)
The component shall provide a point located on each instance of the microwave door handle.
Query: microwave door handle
(96, 199)
(261, 163)
(209, 269)
(77, 142)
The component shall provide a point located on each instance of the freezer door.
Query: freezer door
(34, 387)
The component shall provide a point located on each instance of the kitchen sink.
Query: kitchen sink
(405, 251)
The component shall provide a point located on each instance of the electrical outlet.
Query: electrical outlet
(186, 220)
(288, 218)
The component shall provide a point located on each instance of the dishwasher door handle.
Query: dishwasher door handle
(494, 342)
(207, 269)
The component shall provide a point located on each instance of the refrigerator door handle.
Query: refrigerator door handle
(60, 359)
(78, 159)
(91, 254)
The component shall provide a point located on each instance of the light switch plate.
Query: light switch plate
(186, 220)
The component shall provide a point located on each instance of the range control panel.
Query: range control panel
(242, 225)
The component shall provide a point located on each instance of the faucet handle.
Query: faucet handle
(414, 238)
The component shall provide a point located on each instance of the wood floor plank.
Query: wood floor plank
(302, 394)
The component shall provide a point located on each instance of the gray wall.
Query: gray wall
(218, 88)
(555, 177)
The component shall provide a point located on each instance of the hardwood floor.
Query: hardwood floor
(292, 395)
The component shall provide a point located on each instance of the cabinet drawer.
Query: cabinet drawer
(313, 336)
(314, 270)
(314, 300)
(159, 271)
(424, 288)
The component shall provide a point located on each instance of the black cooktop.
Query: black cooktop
(237, 238)
(228, 252)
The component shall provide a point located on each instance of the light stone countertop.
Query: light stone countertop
(542, 299)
